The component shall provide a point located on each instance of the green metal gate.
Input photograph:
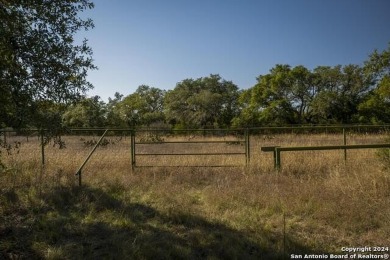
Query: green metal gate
(242, 141)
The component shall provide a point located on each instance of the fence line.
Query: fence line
(292, 127)
(134, 144)
(245, 132)
(277, 149)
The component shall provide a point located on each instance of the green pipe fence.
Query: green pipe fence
(133, 150)
(202, 132)
(43, 148)
(277, 150)
(244, 140)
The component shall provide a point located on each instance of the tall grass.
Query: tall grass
(317, 203)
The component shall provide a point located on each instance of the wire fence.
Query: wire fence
(129, 149)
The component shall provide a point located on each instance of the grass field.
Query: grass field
(317, 203)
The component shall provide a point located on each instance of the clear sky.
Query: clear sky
(162, 42)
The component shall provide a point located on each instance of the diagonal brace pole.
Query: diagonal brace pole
(89, 156)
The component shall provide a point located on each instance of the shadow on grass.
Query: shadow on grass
(88, 223)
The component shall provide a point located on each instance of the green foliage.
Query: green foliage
(204, 102)
(39, 59)
(299, 96)
(280, 97)
(376, 107)
(342, 89)
(113, 118)
(142, 108)
(89, 112)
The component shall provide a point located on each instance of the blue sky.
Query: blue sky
(159, 43)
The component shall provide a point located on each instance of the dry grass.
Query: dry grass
(323, 202)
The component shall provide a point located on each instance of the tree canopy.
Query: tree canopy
(376, 106)
(204, 102)
(88, 112)
(326, 95)
(39, 58)
(144, 107)
(341, 94)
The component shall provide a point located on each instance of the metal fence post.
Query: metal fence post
(277, 158)
(79, 174)
(42, 147)
(275, 161)
(132, 140)
(345, 143)
(247, 147)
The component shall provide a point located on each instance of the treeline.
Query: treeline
(286, 95)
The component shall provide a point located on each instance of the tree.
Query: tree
(341, 90)
(39, 59)
(249, 114)
(327, 80)
(88, 112)
(113, 118)
(142, 108)
(152, 100)
(271, 97)
(376, 107)
(303, 91)
(299, 96)
(204, 102)
(281, 97)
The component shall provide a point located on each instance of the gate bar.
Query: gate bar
(278, 150)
